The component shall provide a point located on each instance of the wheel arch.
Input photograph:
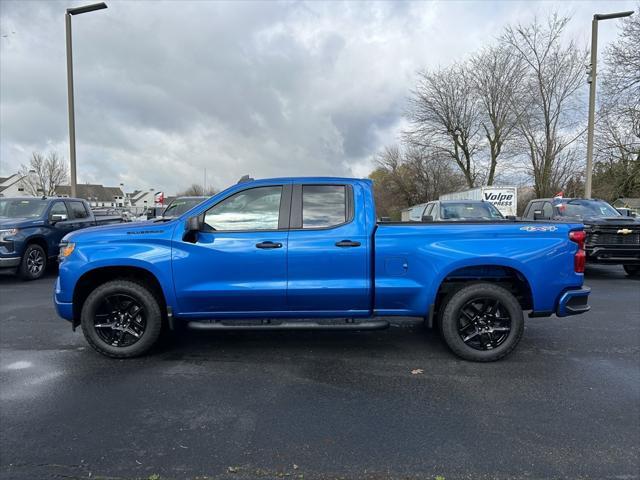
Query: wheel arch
(91, 279)
(507, 276)
(37, 240)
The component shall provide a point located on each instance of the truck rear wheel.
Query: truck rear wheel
(121, 319)
(482, 322)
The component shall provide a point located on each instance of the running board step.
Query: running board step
(306, 325)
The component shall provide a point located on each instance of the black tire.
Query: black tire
(632, 271)
(98, 309)
(34, 262)
(487, 336)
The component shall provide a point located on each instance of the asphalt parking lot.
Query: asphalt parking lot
(323, 405)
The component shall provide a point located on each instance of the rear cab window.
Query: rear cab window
(325, 206)
(78, 209)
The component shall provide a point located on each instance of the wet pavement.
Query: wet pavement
(307, 405)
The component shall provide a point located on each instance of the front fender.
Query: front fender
(153, 257)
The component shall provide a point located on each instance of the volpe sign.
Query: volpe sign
(498, 198)
(505, 199)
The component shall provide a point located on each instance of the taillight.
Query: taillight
(579, 236)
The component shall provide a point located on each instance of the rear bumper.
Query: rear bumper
(573, 302)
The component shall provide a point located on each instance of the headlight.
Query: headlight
(7, 233)
(66, 249)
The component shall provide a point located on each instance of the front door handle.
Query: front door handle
(268, 245)
(347, 243)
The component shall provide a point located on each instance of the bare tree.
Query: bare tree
(406, 177)
(498, 84)
(43, 174)
(443, 114)
(196, 190)
(552, 121)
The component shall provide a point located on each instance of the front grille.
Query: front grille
(611, 237)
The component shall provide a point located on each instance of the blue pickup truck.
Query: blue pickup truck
(31, 230)
(308, 253)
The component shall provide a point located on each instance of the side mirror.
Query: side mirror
(192, 224)
(538, 215)
(57, 217)
(191, 228)
(427, 218)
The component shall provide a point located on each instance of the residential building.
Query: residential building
(96, 195)
(13, 186)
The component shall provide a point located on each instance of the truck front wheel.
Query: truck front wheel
(482, 322)
(121, 319)
(34, 262)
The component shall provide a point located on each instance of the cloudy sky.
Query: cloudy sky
(166, 89)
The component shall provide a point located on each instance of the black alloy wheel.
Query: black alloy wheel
(120, 320)
(484, 323)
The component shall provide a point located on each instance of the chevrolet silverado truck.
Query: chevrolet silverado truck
(612, 238)
(31, 230)
(307, 253)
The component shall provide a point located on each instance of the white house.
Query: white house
(13, 186)
(96, 195)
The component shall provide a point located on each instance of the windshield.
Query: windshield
(178, 207)
(586, 208)
(22, 208)
(469, 211)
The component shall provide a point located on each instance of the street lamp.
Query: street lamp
(72, 120)
(592, 91)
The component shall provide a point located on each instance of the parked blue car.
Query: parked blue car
(307, 253)
(31, 230)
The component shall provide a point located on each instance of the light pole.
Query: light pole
(72, 120)
(592, 91)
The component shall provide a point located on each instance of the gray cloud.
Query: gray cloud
(166, 89)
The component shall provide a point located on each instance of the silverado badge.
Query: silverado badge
(625, 231)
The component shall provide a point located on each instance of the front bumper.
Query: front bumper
(64, 309)
(613, 254)
(573, 302)
(10, 262)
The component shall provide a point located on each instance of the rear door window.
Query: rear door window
(323, 206)
(78, 210)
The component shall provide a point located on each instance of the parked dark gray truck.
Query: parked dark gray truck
(31, 230)
(612, 238)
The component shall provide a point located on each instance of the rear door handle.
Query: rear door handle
(347, 243)
(268, 245)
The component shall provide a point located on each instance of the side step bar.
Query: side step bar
(306, 325)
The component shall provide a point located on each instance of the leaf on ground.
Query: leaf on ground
(417, 371)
